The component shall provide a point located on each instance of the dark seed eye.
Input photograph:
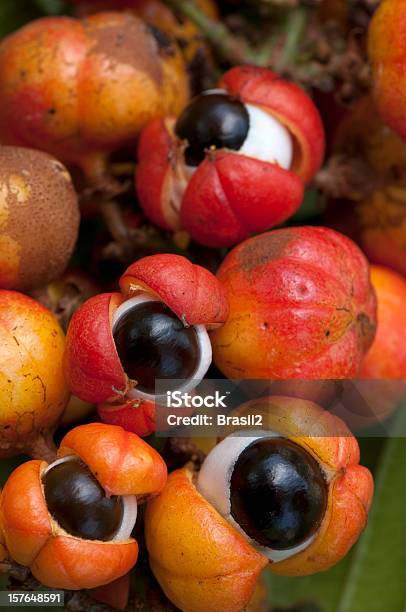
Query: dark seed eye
(212, 120)
(153, 343)
(278, 493)
(79, 504)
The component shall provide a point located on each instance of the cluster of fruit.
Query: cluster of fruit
(294, 304)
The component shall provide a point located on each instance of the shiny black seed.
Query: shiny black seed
(278, 493)
(153, 343)
(79, 504)
(212, 120)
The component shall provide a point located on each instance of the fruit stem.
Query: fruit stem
(229, 47)
(113, 218)
(43, 447)
(295, 28)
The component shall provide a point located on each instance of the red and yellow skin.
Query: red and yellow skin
(123, 464)
(133, 415)
(67, 88)
(231, 195)
(92, 367)
(388, 62)
(158, 14)
(387, 355)
(33, 391)
(203, 563)
(301, 306)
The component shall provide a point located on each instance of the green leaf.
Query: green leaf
(376, 580)
(322, 590)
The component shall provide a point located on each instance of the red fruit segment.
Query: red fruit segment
(192, 292)
(92, 367)
(137, 416)
(231, 196)
(122, 462)
(154, 173)
(288, 103)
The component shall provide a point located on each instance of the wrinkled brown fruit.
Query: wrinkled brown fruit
(39, 218)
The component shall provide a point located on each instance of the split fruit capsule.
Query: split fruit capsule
(118, 345)
(292, 495)
(70, 521)
(234, 162)
(301, 306)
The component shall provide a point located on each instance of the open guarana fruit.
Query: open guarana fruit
(118, 346)
(154, 344)
(234, 162)
(70, 521)
(269, 488)
(291, 494)
(216, 120)
(79, 504)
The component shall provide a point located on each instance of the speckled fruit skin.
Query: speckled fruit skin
(157, 13)
(387, 355)
(387, 54)
(91, 363)
(231, 195)
(39, 218)
(33, 391)
(203, 563)
(301, 306)
(123, 464)
(80, 89)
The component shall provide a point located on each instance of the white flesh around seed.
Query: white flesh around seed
(130, 505)
(267, 139)
(130, 511)
(214, 482)
(204, 346)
